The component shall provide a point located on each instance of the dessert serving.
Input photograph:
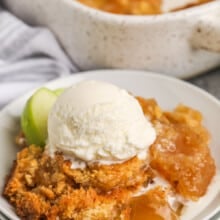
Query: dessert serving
(94, 151)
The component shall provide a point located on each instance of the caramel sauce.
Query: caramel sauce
(134, 7)
(130, 7)
(181, 151)
(181, 155)
(153, 206)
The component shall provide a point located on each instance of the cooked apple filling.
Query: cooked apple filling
(44, 187)
(134, 7)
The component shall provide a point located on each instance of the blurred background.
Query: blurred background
(32, 55)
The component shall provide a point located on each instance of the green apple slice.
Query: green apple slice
(35, 115)
(59, 91)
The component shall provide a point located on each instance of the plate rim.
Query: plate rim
(116, 71)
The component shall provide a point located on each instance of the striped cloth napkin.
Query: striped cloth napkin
(29, 56)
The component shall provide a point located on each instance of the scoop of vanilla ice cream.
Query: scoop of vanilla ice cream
(98, 122)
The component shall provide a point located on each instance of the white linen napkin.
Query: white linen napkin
(29, 56)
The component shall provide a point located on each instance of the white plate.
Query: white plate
(167, 91)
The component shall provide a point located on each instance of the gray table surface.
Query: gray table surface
(209, 81)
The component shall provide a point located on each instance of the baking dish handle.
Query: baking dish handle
(206, 33)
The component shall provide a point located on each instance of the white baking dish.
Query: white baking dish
(180, 44)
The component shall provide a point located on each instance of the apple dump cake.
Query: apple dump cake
(104, 154)
(141, 7)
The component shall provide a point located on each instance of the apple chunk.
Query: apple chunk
(59, 91)
(35, 115)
